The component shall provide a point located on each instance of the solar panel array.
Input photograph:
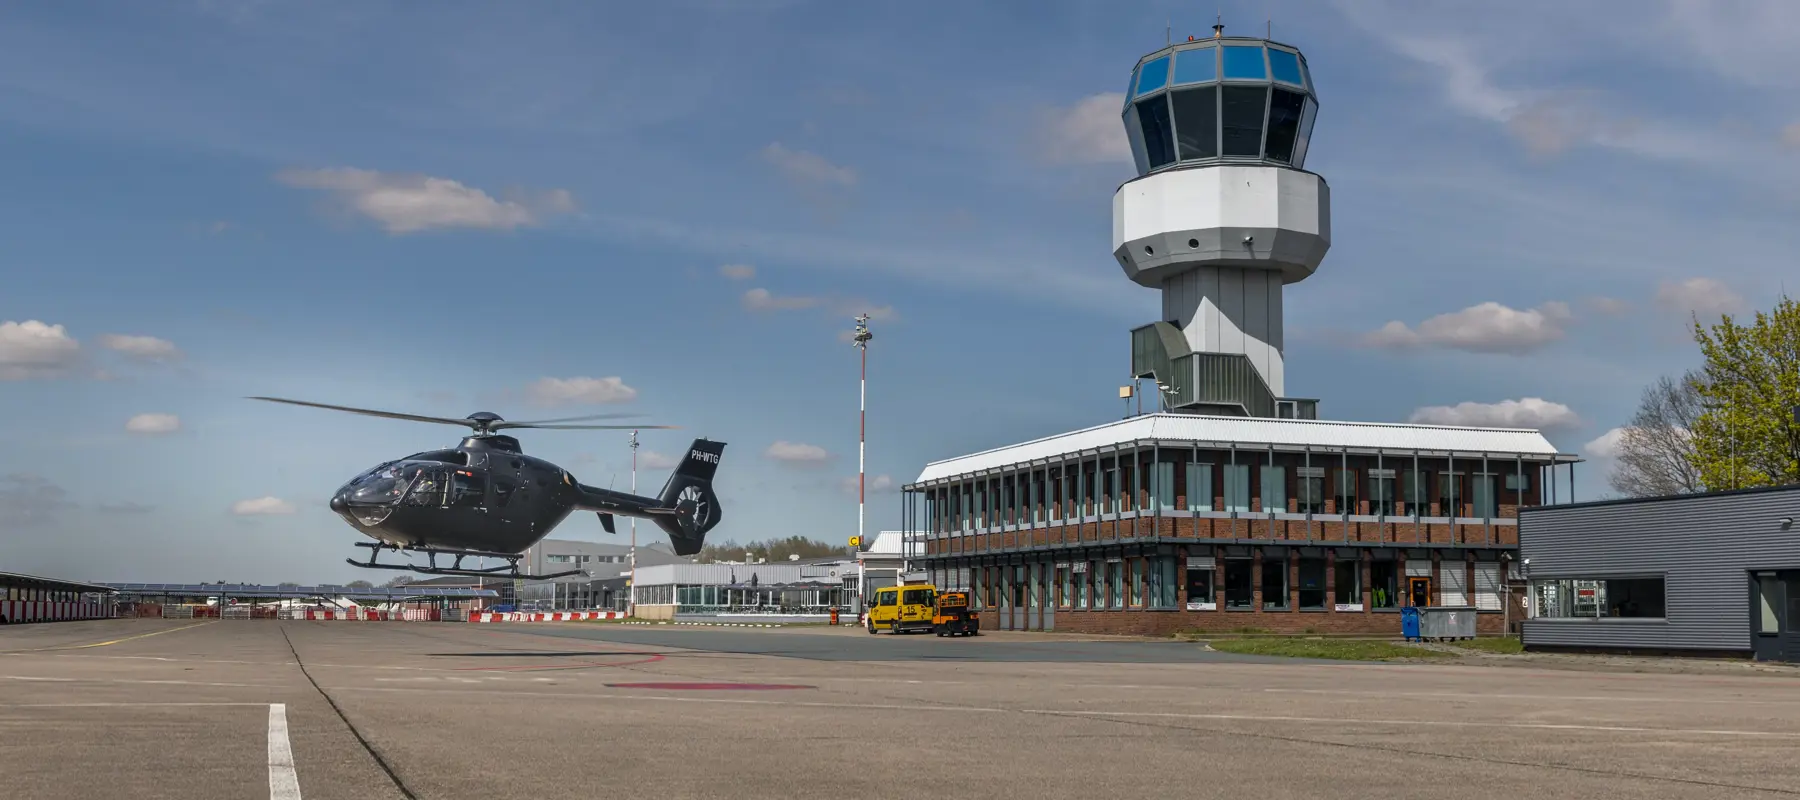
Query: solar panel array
(327, 590)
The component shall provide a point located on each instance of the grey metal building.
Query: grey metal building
(1715, 573)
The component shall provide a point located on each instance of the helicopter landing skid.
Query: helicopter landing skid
(510, 570)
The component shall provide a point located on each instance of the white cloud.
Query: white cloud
(763, 300)
(1606, 445)
(1704, 296)
(148, 348)
(1610, 306)
(1088, 132)
(405, 203)
(579, 391)
(873, 484)
(1790, 135)
(1529, 412)
(808, 168)
(650, 459)
(33, 349)
(262, 506)
(1486, 328)
(760, 299)
(796, 453)
(738, 272)
(153, 424)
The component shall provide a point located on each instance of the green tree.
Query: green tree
(1747, 435)
(773, 550)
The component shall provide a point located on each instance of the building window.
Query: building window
(1483, 494)
(1414, 493)
(1450, 494)
(1347, 585)
(1164, 591)
(1200, 595)
(1037, 497)
(1487, 586)
(1312, 584)
(981, 506)
(1624, 598)
(1115, 584)
(1310, 488)
(1381, 492)
(559, 559)
(1768, 598)
(1081, 576)
(1274, 488)
(1135, 567)
(1064, 579)
(1162, 487)
(1343, 483)
(1237, 487)
(1240, 583)
(1114, 490)
(1275, 583)
(1199, 486)
(1453, 583)
(1035, 586)
(1384, 584)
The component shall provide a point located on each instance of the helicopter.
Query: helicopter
(486, 499)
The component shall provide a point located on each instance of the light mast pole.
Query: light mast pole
(861, 342)
(631, 588)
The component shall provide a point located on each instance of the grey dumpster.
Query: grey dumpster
(1447, 622)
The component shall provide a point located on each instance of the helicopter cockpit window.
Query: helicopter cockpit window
(383, 485)
(431, 488)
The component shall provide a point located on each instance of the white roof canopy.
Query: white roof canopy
(1259, 434)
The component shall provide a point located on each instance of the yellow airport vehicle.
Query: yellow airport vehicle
(899, 609)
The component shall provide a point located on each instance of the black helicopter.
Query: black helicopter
(485, 498)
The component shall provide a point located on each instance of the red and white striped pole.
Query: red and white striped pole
(861, 342)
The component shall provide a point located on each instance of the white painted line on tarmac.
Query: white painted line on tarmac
(132, 681)
(1759, 701)
(284, 784)
(1335, 721)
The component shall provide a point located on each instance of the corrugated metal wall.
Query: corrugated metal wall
(1703, 545)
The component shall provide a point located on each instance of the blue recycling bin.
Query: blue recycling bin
(1409, 623)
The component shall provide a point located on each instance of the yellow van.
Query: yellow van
(898, 609)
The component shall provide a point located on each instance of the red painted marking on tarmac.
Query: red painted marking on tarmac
(547, 667)
(709, 686)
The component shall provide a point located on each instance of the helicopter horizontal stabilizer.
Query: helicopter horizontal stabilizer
(689, 506)
(606, 521)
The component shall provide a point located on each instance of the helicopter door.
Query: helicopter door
(430, 488)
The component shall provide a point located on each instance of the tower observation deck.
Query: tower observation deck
(1221, 217)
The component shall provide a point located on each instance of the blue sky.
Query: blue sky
(503, 206)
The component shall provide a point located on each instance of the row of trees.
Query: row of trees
(1732, 423)
(773, 550)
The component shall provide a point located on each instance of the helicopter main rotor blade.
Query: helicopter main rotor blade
(616, 415)
(373, 413)
(509, 425)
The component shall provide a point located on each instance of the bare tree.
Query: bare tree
(1656, 454)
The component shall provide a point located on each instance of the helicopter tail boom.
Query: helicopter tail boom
(685, 509)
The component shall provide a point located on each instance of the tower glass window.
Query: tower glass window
(1285, 67)
(1285, 108)
(1197, 122)
(1244, 62)
(1159, 141)
(1196, 66)
(1242, 111)
(1153, 76)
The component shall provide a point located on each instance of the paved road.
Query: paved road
(153, 709)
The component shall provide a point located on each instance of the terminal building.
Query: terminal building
(1233, 505)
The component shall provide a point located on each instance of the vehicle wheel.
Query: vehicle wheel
(871, 626)
(894, 627)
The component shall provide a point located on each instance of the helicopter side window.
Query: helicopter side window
(467, 489)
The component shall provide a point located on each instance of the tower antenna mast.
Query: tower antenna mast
(631, 590)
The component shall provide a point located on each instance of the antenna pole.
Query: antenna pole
(631, 590)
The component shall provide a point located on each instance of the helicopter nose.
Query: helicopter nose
(339, 504)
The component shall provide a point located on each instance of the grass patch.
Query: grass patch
(1507, 645)
(1338, 649)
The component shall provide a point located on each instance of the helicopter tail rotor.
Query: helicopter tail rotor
(690, 494)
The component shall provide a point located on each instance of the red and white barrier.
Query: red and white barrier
(49, 611)
(543, 616)
(375, 615)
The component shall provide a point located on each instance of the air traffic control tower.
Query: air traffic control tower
(1221, 218)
